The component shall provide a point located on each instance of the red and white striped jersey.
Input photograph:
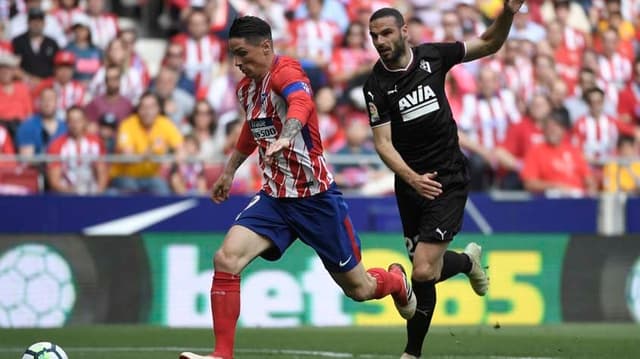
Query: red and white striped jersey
(104, 28)
(348, 60)
(573, 39)
(313, 39)
(65, 16)
(616, 70)
(202, 58)
(597, 137)
(486, 121)
(284, 92)
(77, 165)
(69, 94)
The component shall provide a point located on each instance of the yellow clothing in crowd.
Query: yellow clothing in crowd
(625, 178)
(133, 138)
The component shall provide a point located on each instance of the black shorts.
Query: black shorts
(437, 220)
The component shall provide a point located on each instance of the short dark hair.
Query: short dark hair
(587, 93)
(251, 28)
(387, 11)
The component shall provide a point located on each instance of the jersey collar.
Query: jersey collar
(402, 69)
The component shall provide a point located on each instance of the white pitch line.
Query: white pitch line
(310, 353)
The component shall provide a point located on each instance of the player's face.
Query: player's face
(388, 38)
(253, 60)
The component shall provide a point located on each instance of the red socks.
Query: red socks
(388, 283)
(225, 308)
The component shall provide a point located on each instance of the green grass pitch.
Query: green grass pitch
(146, 342)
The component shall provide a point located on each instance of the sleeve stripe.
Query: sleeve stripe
(296, 86)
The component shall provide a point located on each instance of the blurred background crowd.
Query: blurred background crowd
(138, 96)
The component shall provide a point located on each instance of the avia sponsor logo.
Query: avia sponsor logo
(419, 102)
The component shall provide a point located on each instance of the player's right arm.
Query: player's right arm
(425, 184)
(245, 146)
(380, 122)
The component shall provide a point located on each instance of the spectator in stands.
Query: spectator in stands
(419, 33)
(596, 133)
(352, 59)
(177, 104)
(629, 98)
(69, 92)
(204, 53)
(312, 41)
(450, 28)
(132, 83)
(15, 99)
(35, 134)
(49, 26)
(188, 177)
(208, 132)
(79, 169)
(35, 49)
(567, 60)
(221, 90)
(64, 13)
(573, 18)
(146, 133)
(485, 120)
(108, 132)
(174, 59)
(521, 137)
(623, 172)
(104, 25)
(273, 12)
(358, 143)
(557, 96)
(526, 29)
(576, 104)
(328, 10)
(556, 167)
(88, 56)
(329, 125)
(6, 149)
(220, 14)
(133, 60)
(5, 44)
(613, 67)
(111, 101)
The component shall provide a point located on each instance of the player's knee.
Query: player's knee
(424, 272)
(223, 261)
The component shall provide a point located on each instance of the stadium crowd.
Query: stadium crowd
(556, 110)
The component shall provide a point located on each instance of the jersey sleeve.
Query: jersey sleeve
(246, 143)
(291, 82)
(376, 104)
(452, 53)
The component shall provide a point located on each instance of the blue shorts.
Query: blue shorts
(321, 221)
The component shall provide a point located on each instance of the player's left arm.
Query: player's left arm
(493, 38)
(297, 94)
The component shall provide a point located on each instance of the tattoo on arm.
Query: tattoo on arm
(234, 162)
(291, 128)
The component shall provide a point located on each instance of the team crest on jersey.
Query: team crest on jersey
(425, 66)
(373, 112)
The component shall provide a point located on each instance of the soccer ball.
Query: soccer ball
(38, 287)
(44, 350)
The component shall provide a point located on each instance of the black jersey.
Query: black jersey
(414, 102)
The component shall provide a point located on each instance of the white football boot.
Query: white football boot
(477, 276)
(189, 355)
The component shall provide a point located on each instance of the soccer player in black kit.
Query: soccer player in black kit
(416, 136)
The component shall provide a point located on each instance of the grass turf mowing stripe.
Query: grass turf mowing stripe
(271, 352)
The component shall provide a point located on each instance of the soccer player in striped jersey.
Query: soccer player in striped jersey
(298, 199)
(416, 136)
